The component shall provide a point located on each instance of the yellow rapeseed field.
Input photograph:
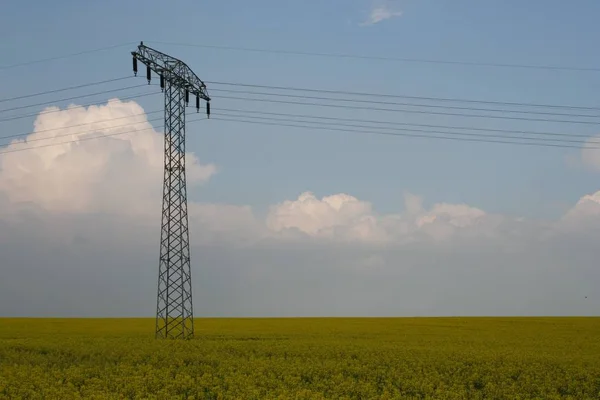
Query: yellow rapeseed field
(327, 358)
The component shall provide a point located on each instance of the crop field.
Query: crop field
(297, 358)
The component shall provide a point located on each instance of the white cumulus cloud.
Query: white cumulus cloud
(65, 169)
(344, 217)
(381, 10)
(582, 219)
(339, 215)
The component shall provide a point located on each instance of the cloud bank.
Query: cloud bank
(79, 233)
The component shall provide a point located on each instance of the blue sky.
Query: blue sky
(262, 165)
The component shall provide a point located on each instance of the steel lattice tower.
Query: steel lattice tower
(174, 310)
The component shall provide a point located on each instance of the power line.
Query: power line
(22, 64)
(384, 58)
(316, 122)
(82, 105)
(408, 111)
(71, 98)
(457, 100)
(287, 115)
(538, 143)
(402, 104)
(64, 89)
(409, 135)
(332, 118)
(410, 130)
(469, 128)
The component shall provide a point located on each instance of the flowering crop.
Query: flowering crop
(303, 358)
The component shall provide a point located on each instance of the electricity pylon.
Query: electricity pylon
(174, 310)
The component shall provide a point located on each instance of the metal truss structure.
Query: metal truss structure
(174, 310)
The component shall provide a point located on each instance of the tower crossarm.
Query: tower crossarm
(173, 70)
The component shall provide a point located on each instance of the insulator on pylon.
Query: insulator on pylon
(187, 96)
(197, 103)
(162, 81)
(135, 65)
(208, 109)
(148, 73)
